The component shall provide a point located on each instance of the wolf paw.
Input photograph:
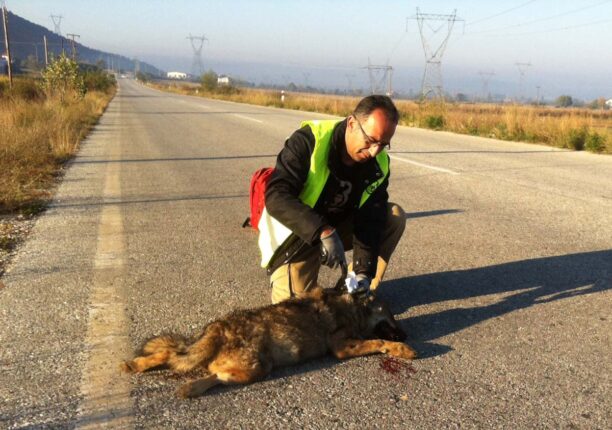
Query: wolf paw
(401, 350)
(186, 392)
(127, 367)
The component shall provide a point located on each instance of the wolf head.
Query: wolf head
(380, 321)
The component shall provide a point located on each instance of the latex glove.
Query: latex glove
(332, 250)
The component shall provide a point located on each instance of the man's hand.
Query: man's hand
(332, 250)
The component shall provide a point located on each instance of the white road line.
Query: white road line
(106, 399)
(246, 117)
(427, 166)
(194, 102)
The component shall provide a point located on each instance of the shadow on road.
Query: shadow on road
(82, 160)
(547, 151)
(168, 112)
(432, 213)
(528, 282)
(126, 201)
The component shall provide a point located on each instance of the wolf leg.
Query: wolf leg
(140, 364)
(354, 348)
(227, 373)
(197, 387)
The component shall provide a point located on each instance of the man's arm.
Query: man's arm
(286, 183)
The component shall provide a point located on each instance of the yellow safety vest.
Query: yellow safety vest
(272, 233)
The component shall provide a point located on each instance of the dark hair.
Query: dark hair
(369, 104)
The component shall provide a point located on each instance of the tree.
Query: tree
(62, 78)
(564, 101)
(460, 97)
(598, 103)
(209, 81)
(142, 77)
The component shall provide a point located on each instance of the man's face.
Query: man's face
(365, 139)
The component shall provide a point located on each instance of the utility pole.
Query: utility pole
(522, 68)
(196, 43)
(486, 76)
(46, 50)
(381, 78)
(7, 44)
(72, 43)
(57, 20)
(538, 95)
(36, 52)
(432, 77)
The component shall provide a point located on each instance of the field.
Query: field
(571, 128)
(37, 135)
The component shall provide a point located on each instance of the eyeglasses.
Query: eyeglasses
(369, 140)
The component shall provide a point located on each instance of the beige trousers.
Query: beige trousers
(297, 277)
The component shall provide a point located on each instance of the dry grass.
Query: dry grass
(566, 128)
(36, 136)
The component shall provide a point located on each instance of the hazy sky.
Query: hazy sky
(568, 43)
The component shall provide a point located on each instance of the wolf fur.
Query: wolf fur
(246, 345)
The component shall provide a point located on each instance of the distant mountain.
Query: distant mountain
(26, 39)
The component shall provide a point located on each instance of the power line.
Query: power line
(547, 18)
(570, 27)
(501, 13)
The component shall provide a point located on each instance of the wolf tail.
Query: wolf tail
(176, 352)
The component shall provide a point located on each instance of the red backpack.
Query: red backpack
(257, 196)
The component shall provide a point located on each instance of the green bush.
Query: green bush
(62, 78)
(209, 81)
(576, 138)
(435, 122)
(595, 142)
(98, 80)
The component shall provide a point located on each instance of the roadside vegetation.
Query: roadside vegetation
(42, 121)
(564, 127)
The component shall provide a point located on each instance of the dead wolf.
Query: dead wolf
(244, 346)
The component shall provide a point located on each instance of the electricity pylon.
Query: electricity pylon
(381, 78)
(196, 43)
(57, 20)
(486, 76)
(522, 68)
(432, 77)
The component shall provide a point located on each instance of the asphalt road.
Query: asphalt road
(502, 281)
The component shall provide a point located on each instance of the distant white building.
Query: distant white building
(609, 103)
(223, 80)
(176, 75)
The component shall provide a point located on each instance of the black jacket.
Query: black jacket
(338, 203)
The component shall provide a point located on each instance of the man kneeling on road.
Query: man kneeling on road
(328, 194)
